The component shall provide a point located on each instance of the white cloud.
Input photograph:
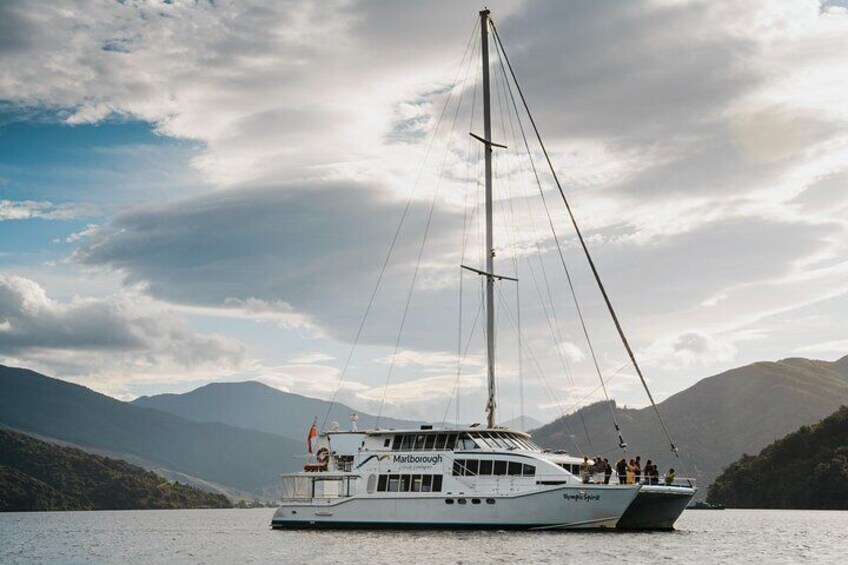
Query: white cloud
(311, 358)
(692, 348)
(110, 342)
(29, 209)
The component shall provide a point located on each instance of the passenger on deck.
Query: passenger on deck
(585, 470)
(638, 470)
(651, 473)
(669, 477)
(598, 468)
(607, 471)
(631, 472)
(621, 469)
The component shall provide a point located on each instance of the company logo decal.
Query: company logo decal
(370, 457)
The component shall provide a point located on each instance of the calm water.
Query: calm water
(243, 536)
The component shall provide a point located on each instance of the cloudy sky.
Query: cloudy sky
(204, 191)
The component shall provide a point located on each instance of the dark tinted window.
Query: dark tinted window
(405, 482)
(514, 468)
(408, 442)
(382, 482)
(437, 483)
(529, 470)
(451, 443)
(397, 442)
(472, 466)
(458, 467)
(500, 467)
(485, 467)
(419, 442)
(430, 442)
(440, 441)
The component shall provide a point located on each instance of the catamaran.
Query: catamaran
(466, 476)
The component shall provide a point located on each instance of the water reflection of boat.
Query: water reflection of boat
(704, 505)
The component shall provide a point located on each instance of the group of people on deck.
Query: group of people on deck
(629, 472)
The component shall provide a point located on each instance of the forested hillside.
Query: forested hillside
(36, 475)
(806, 469)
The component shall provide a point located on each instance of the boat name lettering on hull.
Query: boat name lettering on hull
(581, 496)
(429, 459)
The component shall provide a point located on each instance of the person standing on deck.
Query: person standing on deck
(607, 471)
(621, 469)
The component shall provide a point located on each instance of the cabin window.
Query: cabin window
(419, 442)
(458, 467)
(472, 466)
(440, 441)
(409, 483)
(500, 467)
(451, 442)
(529, 470)
(514, 468)
(466, 443)
(385, 443)
(408, 443)
(437, 483)
(397, 443)
(394, 483)
(485, 467)
(499, 442)
(430, 441)
(416, 483)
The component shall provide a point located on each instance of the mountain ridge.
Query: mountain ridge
(714, 421)
(247, 460)
(256, 406)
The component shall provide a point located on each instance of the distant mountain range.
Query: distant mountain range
(256, 406)
(36, 475)
(214, 456)
(715, 421)
(235, 438)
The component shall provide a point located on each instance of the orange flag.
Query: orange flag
(313, 433)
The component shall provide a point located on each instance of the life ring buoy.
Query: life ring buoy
(323, 455)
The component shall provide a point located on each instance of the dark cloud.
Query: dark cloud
(317, 246)
(625, 70)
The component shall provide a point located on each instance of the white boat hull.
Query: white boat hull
(560, 507)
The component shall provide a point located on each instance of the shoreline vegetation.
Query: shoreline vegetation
(806, 470)
(39, 476)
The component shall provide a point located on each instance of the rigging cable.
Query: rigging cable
(396, 234)
(421, 248)
(551, 318)
(597, 276)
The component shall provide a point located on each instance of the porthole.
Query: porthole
(462, 501)
(448, 501)
(490, 501)
(475, 501)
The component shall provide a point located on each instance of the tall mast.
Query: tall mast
(490, 251)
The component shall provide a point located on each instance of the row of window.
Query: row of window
(409, 483)
(465, 501)
(451, 441)
(484, 467)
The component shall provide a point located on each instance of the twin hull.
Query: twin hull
(562, 507)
